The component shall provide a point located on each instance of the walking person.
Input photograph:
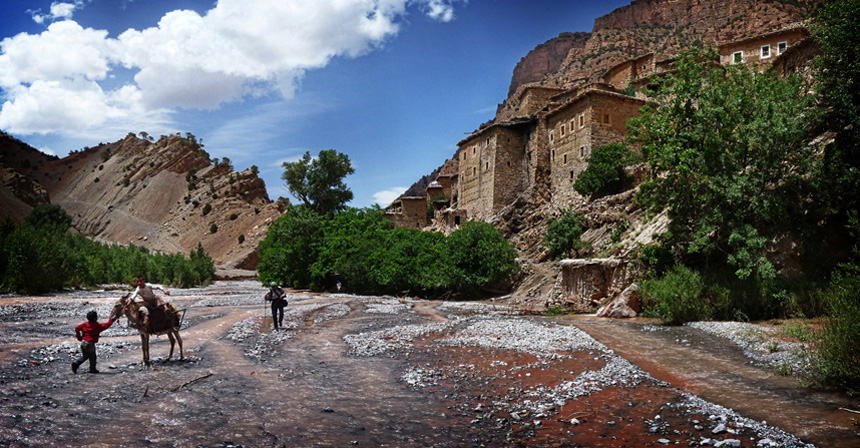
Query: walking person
(88, 333)
(278, 297)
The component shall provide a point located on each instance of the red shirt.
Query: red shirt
(89, 331)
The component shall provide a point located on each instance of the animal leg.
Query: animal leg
(144, 346)
(172, 342)
(179, 339)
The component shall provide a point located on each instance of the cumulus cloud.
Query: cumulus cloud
(188, 60)
(58, 11)
(385, 197)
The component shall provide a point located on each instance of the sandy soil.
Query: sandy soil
(382, 371)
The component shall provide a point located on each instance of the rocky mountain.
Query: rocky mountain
(166, 195)
(662, 27)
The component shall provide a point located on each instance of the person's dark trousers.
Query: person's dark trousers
(88, 350)
(278, 313)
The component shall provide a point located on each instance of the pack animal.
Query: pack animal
(169, 325)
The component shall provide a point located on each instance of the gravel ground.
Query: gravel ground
(350, 371)
(761, 344)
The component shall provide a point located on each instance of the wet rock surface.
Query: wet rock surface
(343, 371)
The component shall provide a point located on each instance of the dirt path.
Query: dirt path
(377, 371)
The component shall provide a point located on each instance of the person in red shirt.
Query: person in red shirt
(88, 334)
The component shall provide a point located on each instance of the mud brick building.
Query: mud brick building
(594, 118)
(409, 212)
(493, 168)
(542, 136)
(762, 49)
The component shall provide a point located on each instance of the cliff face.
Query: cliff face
(662, 27)
(165, 195)
(546, 58)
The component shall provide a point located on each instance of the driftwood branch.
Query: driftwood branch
(849, 410)
(191, 382)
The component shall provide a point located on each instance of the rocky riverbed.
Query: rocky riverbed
(353, 371)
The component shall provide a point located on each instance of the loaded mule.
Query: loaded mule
(164, 319)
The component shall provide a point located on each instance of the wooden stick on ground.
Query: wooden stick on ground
(192, 381)
(849, 410)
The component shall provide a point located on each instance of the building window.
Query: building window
(562, 129)
(473, 149)
(474, 171)
(572, 122)
(488, 142)
(581, 120)
(605, 118)
(765, 51)
(487, 166)
(509, 163)
(571, 175)
(553, 154)
(738, 57)
(781, 47)
(565, 159)
(550, 136)
(581, 152)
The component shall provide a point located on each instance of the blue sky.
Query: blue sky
(394, 84)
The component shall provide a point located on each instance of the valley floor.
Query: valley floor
(384, 371)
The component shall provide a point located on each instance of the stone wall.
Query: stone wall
(585, 282)
(411, 212)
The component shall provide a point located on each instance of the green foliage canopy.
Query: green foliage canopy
(562, 235)
(364, 250)
(728, 151)
(605, 172)
(837, 75)
(318, 182)
(38, 259)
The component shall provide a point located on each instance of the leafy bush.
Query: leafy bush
(605, 172)
(676, 298)
(213, 228)
(241, 238)
(206, 209)
(839, 350)
(233, 216)
(479, 256)
(562, 235)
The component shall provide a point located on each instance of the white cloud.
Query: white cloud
(385, 197)
(235, 50)
(440, 10)
(59, 11)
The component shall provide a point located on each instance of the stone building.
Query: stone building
(409, 212)
(594, 118)
(762, 49)
(623, 74)
(542, 137)
(493, 168)
(529, 99)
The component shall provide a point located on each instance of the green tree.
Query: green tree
(291, 246)
(49, 214)
(728, 154)
(479, 256)
(605, 172)
(837, 75)
(318, 182)
(563, 235)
